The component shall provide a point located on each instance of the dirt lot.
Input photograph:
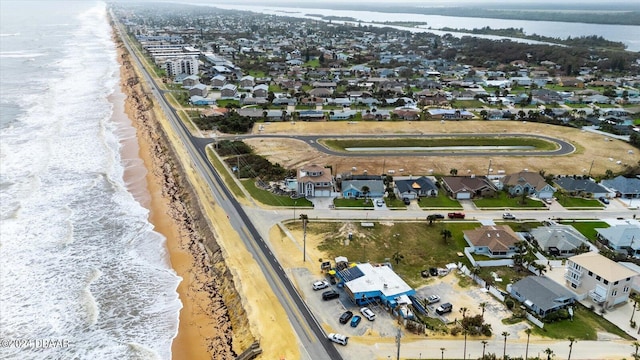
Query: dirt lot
(589, 147)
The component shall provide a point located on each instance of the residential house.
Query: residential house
(406, 113)
(352, 189)
(604, 281)
(558, 240)
(199, 90)
(324, 85)
(228, 91)
(622, 238)
(199, 100)
(468, 187)
(247, 82)
(260, 91)
(531, 183)
(315, 181)
(190, 81)
(311, 115)
(449, 114)
(218, 81)
(582, 187)
(415, 188)
(627, 188)
(493, 240)
(541, 294)
(321, 92)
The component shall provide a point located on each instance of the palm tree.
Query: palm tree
(484, 345)
(549, 353)
(304, 219)
(475, 272)
(463, 310)
(636, 345)
(482, 306)
(571, 341)
(526, 351)
(442, 352)
(634, 297)
(446, 234)
(397, 257)
(365, 191)
(504, 354)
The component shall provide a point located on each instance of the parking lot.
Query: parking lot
(328, 312)
(470, 297)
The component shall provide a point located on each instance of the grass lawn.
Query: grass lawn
(275, 88)
(508, 275)
(268, 198)
(420, 244)
(587, 228)
(584, 326)
(223, 103)
(222, 170)
(575, 202)
(353, 203)
(467, 104)
(395, 203)
(503, 201)
(440, 201)
(341, 144)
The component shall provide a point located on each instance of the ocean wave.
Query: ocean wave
(20, 54)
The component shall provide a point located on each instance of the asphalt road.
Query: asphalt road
(312, 338)
(564, 148)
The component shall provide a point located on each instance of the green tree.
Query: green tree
(365, 190)
(549, 353)
(526, 352)
(453, 172)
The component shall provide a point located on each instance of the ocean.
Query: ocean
(83, 275)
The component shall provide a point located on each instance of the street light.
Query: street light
(295, 202)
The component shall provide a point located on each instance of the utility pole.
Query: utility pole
(591, 167)
(304, 219)
(398, 343)
(489, 168)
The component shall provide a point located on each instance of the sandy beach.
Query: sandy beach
(199, 336)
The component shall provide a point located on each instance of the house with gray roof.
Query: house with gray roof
(628, 188)
(468, 187)
(582, 187)
(528, 182)
(541, 294)
(415, 188)
(621, 238)
(352, 189)
(559, 240)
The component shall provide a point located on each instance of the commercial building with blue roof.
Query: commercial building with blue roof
(366, 283)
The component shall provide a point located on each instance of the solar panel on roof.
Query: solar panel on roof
(351, 273)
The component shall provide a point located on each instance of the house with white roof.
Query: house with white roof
(366, 283)
(604, 281)
(621, 238)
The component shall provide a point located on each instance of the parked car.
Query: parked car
(346, 316)
(604, 200)
(433, 271)
(508, 216)
(368, 313)
(444, 308)
(355, 320)
(455, 215)
(406, 201)
(433, 299)
(330, 295)
(379, 202)
(338, 338)
(319, 285)
(437, 216)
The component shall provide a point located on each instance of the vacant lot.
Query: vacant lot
(600, 149)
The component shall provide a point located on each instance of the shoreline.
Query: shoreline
(197, 327)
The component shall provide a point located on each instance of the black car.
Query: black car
(344, 318)
(433, 271)
(604, 200)
(437, 216)
(330, 295)
(444, 308)
(406, 201)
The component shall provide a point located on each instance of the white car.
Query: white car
(433, 299)
(379, 202)
(366, 312)
(338, 338)
(319, 285)
(508, 216)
